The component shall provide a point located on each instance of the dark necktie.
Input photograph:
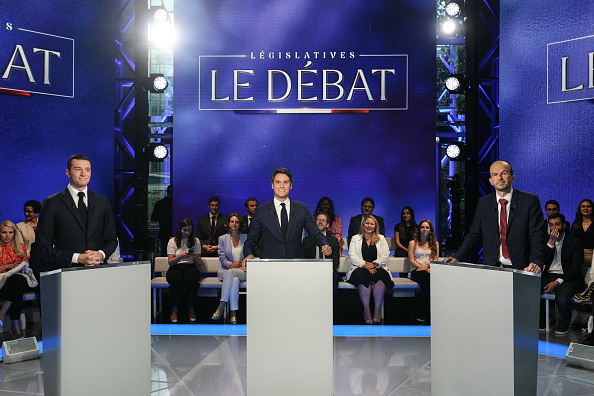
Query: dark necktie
(213, 227)
(82, 208)
(284, 220)
(503, 226)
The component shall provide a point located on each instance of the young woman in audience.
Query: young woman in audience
(405, 231)
(232, 268)
(368, 254)
(12, 254)
(583, 230)
(326, 205)
(421, 251)
(183, 253)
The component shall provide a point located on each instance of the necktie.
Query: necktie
(284, 220)
(503, 226)
(82, 208)
(213, 227)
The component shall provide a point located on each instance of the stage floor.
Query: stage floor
(369, 360)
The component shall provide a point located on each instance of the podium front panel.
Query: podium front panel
(289, 328)
(484, 330)
(96, 326)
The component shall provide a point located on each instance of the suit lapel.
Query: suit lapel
(512, 209)
(276, 221)
(69, 203)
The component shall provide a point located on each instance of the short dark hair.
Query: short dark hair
(368, 199)
(284, 171)
(35, 205)
(214, 199)
(248, 200)
(322, 213)
(557, 216)
(552, 202)
(170, 189)
(76, 157)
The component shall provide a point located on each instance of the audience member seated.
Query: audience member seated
(251, 204)
(562, 272)
(163, 213)
(582, 230)
(326, 205)
(312, 251)
(28, 228)
(552, 206)
(15, 276)
(404, 232)
(210, 227)
(183, 252)
(232, 270)
(368, 253)
(421, 251)
(367, 206)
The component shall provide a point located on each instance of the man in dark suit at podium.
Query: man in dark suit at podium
(281, 222)
(562, 273)
(76, 225)
(510, 224)
(313, 252)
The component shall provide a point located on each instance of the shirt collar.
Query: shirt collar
(74, 192)
(277, 202)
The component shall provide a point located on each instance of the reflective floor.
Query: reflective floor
(373, 364)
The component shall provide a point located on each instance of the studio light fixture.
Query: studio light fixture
(454, 8)
(455, 83)
(159, 14)
(157, 152)
(456, 151)
(156, 83)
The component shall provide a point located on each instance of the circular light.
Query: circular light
(160, 15)
(453, 151)
(452, 84)
(160, 152)
(452, 9)
(449, 27)
(160, 83)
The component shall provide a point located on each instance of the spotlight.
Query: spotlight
(159, 14)
(456, 151)
(156, 83)
(157, 152)
(455, 83)
(449, 27)
(453, 8)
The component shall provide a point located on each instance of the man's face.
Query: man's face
(551, 208)
(501, 177)
(251, 207)
(281, 186)
(556, 224)
(214, 206)
(79, 174)
(322, 222)
(29, 213)
(367, 208)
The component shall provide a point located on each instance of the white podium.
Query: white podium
(289, 327)
(96, 330)
(484, 330)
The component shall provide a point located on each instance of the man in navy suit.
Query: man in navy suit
(210, 227)
(510, 224)
(562, 273)
(281, 222)
(76, 225)
(367, 206)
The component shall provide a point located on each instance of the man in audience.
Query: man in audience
(367, 206)
(210, 227)
(510, 224)
(28, 228)
(562, 273)
(281, 222)
(251, 204)
(76, 225)
(551, 207)
(312, 251)
(163, 213)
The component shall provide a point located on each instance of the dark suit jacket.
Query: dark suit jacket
(203, 231)
(355, 226)
(267, 225)
(572, 258)
(309, 249)
(245, 229)
(60, 232)
(525, 233)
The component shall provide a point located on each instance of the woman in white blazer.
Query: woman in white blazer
(232, 269)
(368, 254)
